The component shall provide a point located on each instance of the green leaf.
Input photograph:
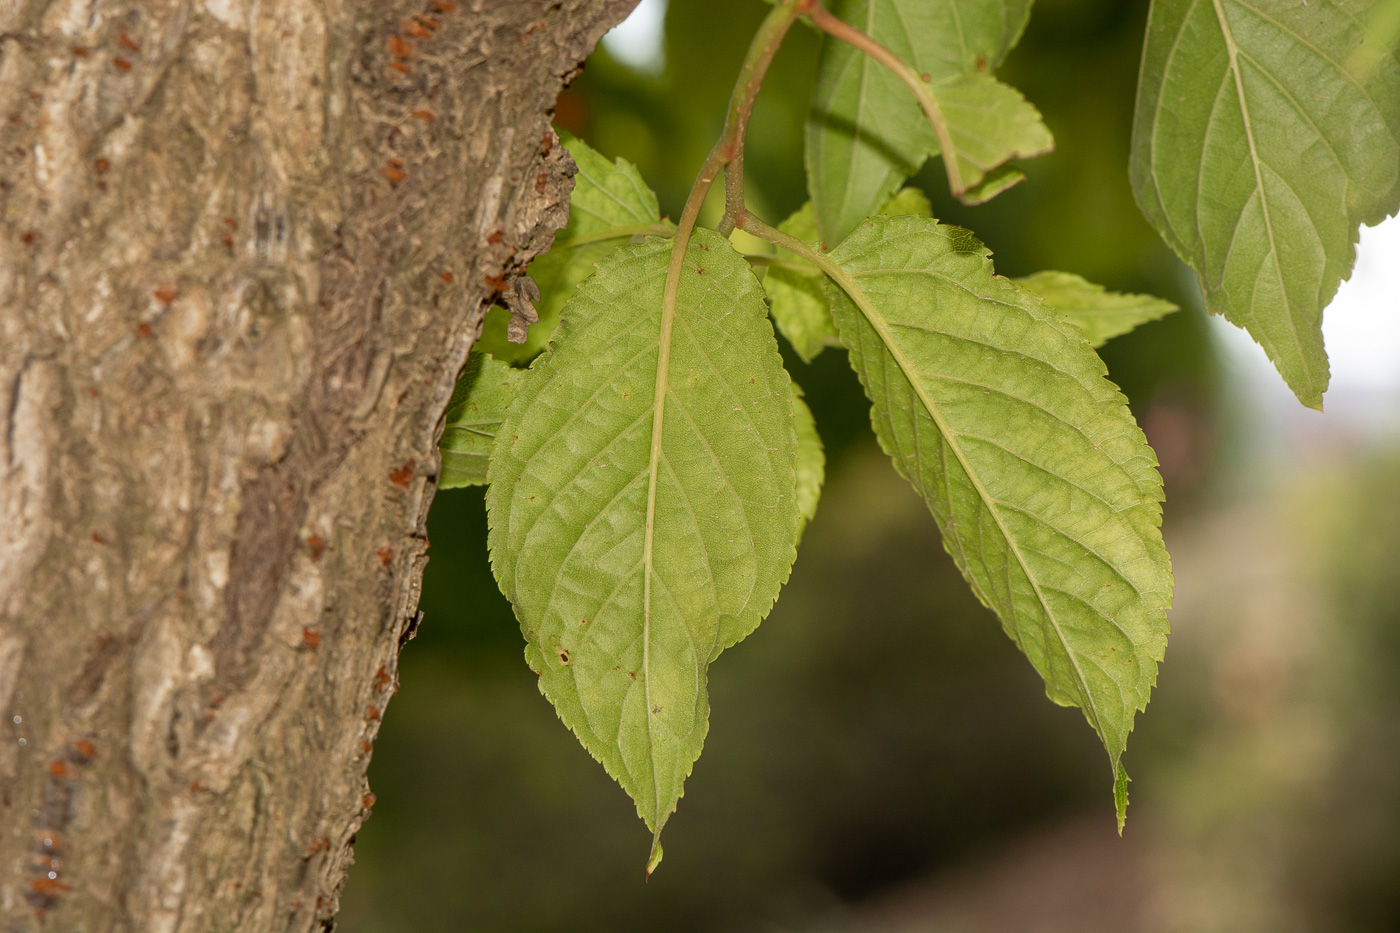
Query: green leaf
(474, 415)
(1101, 315)
(867, 133)
(1001, 417)
(636, 544)
(795, 290)
(811, 459)
(1259, 145)
(610, 206)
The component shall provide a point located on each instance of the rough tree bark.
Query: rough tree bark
(244, 249)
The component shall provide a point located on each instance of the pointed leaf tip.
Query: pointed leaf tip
(1120, 795)
(654, 859)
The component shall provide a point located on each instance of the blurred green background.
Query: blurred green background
(880, 756)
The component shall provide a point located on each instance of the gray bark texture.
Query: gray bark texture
(245, 246)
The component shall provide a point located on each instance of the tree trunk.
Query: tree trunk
(244, 249)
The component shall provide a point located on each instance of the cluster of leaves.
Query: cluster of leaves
(651, 472)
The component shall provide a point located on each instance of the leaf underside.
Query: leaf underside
(797, 295)
(1000, 415)
(1261, 141)
(867, 133)
(610, 205)
(478, 406)
(1099, 314)
(622, 635)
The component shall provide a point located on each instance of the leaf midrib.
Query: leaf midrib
(1233, 51)
(910, 373)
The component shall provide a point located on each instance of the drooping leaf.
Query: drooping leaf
(1001, 417)
(1260, 144)
(474, 415)
(1101, 315)
(643, 504)
(610, 206)
(811, 459)
(795, 290)
(867, 132)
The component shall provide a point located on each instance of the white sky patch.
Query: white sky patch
(1362, 325)
(639, 40)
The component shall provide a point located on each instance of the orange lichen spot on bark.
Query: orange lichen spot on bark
(80, 52)
(166, 294)
(431, 22)
(448, 277)
(29, 237)
(399, 48)
(49, 886)
(197, 787)
(368, 800)
(366, 747)
(393, 172)
(86, 748)
(414, 28)
(128, 43)
(372, 715)
(496, 237)
(101, 165)
(385, 556)
(444, 6)
(423, 114)
(316, 545)
(319, 846)
(121, 64)
(382, 679)
(498, 282)
(310, 637)
(58, 769)
(143, 330)
(541, 180)
(97, 536)
(401, 67)
(403, 476)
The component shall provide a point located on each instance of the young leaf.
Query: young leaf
(1001, 417)
(610, 205)
(797, 296)
(633, 557)
(478, 407)
(811, 459)
(867, 133)
(1259, 145)
(1101, 315)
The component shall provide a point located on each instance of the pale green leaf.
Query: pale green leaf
(1000, 415)
(610, 206)
(1101, 315)
(474, 414)
(811, 458)
(795, 289)
(1260, 143)
(867, 133)
(633, 557)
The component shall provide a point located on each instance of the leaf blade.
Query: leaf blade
(866, 133)
(610, 205)
(568, 506)
(474, 415)
(1099, 314)
(1044, 487)
(1259, 146)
